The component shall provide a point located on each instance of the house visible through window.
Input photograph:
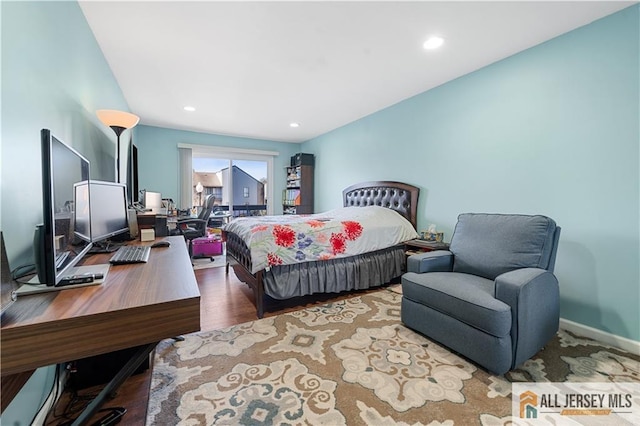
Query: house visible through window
(237, 178)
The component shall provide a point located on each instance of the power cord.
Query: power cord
(22, 271)
(55, 389)
(113, 416)
(77, 402)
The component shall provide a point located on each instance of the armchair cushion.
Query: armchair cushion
(488, 245)
(468, 298)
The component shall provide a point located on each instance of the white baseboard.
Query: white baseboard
(628, 345)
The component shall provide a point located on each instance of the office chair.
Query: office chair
(218, 218)
(192, 228)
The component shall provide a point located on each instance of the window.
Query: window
(238, 178)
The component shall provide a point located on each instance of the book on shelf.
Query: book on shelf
(291, 197)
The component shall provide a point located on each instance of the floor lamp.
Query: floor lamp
(119, 121)
(199, 189)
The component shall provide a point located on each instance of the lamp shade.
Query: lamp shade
(118, 121)
(113, 118)
(199, 187)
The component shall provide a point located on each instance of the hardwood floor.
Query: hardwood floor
(225, 301)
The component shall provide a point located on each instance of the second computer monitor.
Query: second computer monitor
(109, 215)
(153, 202)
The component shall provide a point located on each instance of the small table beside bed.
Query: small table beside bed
(356, 247)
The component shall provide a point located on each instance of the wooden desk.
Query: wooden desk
(137, 305)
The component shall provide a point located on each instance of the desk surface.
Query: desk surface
(136, 305)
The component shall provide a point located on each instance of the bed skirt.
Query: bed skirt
(336, 275)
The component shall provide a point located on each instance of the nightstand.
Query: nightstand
(420, 246)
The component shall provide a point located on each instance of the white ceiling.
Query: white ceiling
(251, 68)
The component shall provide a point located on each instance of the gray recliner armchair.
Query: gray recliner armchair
(492, 296)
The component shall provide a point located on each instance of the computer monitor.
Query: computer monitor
(153, 202)
(63, 238)
(82, 210)
(109, 216)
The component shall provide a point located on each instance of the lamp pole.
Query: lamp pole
(118, 131)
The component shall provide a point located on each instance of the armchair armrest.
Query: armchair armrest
(534, 297)
(431, 261)
(512, 286)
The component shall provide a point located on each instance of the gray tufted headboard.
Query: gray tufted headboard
(397, 196)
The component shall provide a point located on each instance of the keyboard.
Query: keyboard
(131, 254)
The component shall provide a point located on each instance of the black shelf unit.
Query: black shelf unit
(297, 197)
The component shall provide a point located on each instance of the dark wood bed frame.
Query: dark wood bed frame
(397, 196)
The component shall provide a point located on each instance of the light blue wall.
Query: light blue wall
(553, 130)
(53, 76)
(158, 157)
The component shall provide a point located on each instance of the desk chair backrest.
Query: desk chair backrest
(207, 208)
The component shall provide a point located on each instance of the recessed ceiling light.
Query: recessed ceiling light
(294, 125)
(433, 42)
(189, 108)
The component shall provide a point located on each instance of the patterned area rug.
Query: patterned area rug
(352, 362)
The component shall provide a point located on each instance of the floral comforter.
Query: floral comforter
(348, 231)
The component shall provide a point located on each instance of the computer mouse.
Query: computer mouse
(161, 244)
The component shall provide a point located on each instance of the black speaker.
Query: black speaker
(39, 256)
(4, 262)
(8, 284)
(100, 369)
(161, 226)
(132, 216)
(301, 159)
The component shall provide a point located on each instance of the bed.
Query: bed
(377, 264)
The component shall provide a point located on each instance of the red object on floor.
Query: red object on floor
(206, 247)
